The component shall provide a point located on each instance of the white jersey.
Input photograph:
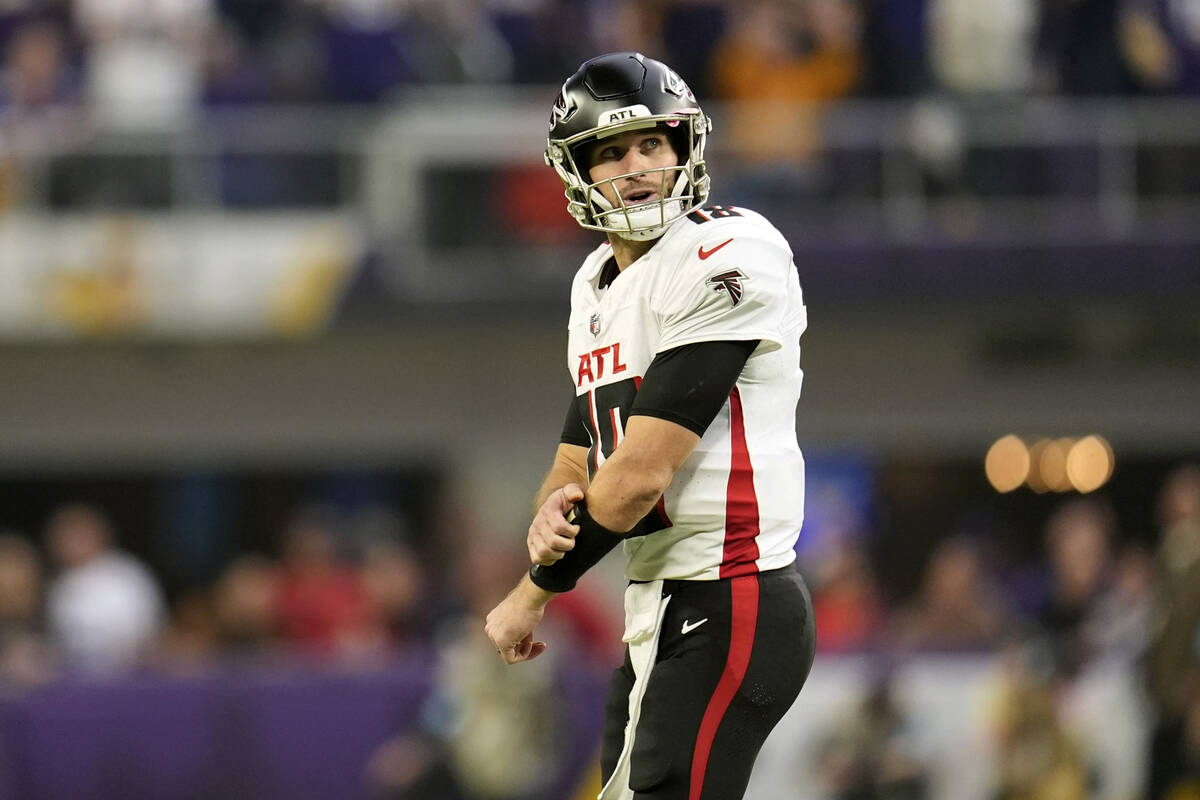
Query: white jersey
(720, 274)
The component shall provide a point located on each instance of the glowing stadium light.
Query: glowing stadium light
(1090, 463)
(1007, 463)
(1049, 465)
(1034, 479)
(1053, 464)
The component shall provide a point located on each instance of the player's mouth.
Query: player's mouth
(639, 197)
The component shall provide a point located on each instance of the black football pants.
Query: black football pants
(717, 687)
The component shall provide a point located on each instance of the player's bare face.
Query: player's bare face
(633, 155)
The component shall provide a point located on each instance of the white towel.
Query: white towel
(644, 610)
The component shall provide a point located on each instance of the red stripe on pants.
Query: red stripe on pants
(744, 613)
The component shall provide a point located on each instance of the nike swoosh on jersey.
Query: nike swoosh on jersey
(688, 627)
(706, 253)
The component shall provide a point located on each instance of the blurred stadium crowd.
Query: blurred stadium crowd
(359, 592)
(122, 53)
(76, 70)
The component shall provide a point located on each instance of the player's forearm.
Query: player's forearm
(530, 594)
(562, 472)
(626, 488)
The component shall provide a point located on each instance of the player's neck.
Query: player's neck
(626, 251)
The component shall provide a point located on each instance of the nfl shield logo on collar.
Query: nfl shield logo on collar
(594, 325)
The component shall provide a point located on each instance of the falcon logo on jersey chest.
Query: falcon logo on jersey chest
(594, 325)
(730, 282)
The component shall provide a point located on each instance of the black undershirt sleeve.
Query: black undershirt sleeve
(573, 431)
(688, 385)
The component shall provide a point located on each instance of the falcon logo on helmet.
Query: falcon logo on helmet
(612, 94)
(675, 85)
(561, 111)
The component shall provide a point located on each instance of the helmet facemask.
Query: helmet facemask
(688, 180)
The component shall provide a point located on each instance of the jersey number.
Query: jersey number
(710, 213)
(605, 410)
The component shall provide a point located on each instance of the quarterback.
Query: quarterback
(679, 443)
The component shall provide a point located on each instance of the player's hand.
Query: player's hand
(510, 625)
(550, 535)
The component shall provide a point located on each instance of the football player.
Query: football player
(679, 442)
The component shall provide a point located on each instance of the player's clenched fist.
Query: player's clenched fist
(510, 624)
(550, 534)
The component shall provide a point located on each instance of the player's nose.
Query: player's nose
(636, 163)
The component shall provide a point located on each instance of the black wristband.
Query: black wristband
(592, 543)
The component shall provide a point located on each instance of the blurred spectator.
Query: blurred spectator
(36, 73)
(981, 46)
(1124, 615)
(781, 60)
(392, 579)
(143, 78)
(234, 73)
(491, 732)
(1173, 665)
(25, 658)
(1079, 537)
(323, 607)
(244, 601)
(1161, 40)
(288, 37)
(846, 603)
(983, 57)
(871, 754)
(1037, 758)
(1179, 521)
(626, 25)
(1153, 59)
(189, 641)
(20, 583)
(104, 607)
(38, 100)
(144, 61)
(1180, 20)
(957, 606)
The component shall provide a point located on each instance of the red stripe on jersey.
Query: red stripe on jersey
(741, 502)
(661, 509)
(744, 619)
(599, 443)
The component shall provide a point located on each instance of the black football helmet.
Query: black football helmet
(612, 94)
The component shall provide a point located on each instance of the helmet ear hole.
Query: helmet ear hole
(580, 155)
